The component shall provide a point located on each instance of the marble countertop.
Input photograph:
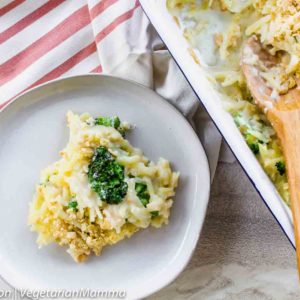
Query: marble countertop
(242, 252)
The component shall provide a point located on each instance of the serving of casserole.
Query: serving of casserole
(101, 191)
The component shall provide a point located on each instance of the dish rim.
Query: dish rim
(181, 264)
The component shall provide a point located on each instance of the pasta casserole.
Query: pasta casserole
(101, 191)
(217, 31)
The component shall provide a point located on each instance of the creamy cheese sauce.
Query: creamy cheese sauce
(217, 31)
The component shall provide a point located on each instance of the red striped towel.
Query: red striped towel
(46, 39)
(43, 40)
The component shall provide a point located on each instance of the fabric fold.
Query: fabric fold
(42, 42)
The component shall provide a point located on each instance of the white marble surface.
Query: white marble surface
(242, 253)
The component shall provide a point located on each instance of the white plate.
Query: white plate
(33, 130)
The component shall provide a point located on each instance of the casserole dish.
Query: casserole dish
(172, 35)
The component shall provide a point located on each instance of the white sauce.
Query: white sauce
(216, 22)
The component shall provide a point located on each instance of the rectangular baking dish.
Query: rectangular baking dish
(179, 48)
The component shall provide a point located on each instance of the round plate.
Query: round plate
(33, 131)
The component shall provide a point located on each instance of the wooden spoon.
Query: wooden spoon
(284, 115)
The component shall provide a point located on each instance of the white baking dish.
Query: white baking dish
(172, 36)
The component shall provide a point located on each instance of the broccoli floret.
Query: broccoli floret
(108, 122)
(280, 165)
(73, 205)
(254, 147)
(142, 192)
(252, 143)
(106, 177)
(112, 122)
(154, 213)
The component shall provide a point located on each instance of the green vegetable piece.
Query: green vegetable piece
(254, 147)
(111, 122)
(108, 122)
(73, 205)
(252, 143)
(116, 123)
(142, 192)
(154, 213)
(280, 165)
(106, 177)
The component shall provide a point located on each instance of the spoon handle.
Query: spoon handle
(287, 125)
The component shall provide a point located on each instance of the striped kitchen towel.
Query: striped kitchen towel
(41, 40)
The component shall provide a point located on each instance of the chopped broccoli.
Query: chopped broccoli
(73, 205)
(106, 177)
(112, 122)
(108, 122)
(280, 165)
(254, 147)
(142, 193)
(154, 213)
(252, 143)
